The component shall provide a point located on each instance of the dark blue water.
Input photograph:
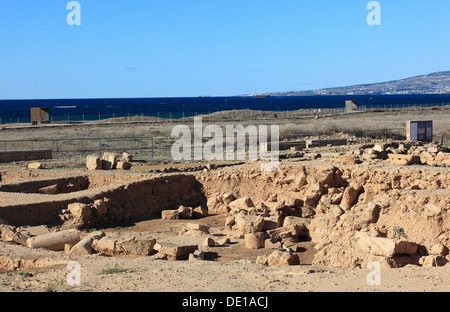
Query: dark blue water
(93, 109)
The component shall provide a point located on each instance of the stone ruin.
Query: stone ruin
(352, 215)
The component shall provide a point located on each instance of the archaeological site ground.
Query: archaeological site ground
(368, 215)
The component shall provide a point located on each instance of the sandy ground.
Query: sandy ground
(149, 274)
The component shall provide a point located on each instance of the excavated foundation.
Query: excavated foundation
(395, 215)
(351, 214)
(40, 201)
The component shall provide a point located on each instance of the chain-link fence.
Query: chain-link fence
(160, 148)
(227, 115)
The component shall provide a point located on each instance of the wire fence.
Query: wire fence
(226, 116)
(161, 148)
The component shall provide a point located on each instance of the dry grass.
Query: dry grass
(290, 127)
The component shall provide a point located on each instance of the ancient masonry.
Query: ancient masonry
(396, 215)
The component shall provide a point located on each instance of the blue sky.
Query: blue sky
(177, 48)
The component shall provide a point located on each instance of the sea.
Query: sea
(15, 111)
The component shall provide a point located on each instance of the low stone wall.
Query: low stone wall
(48, 186)
(26, 155)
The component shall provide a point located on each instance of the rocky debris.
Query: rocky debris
(244, 204)
(287, 233)
(351, 215)
(93, 162)
(82, 215)
(185, 212)
(401, 153)
(84, 246)
(200, 212)
(173, 251)
(439, 250)
(105, 245)
(219, 203)
(333, 207)
(126, 157)
(245, 224)
(76, 214)
(432, 261)
(79, 211)
(11, 234)
(100, 207)
(386, 247)
(229, 222)
(227, 198)
(255, 240)
(123, 165)
(404, 160)
(170, 215)
(349, 159)
(224, 241)
(7, 232)
(350, 196)
(272, 243)
(131, 244)
(301, 223)
(271, 223)
(35, 166)
(279, 258)
(109, 161)
(431, 210)
(358, 233)
(290, 246)
(197, 255)
(196, 229)
(140, 245)
(49, 190)
(209, 242)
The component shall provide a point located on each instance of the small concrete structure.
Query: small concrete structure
(350, 106)
(39, 115)
(419, 131)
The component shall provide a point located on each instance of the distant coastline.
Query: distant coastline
(433, 84)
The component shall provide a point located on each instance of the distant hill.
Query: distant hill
(434, 83)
